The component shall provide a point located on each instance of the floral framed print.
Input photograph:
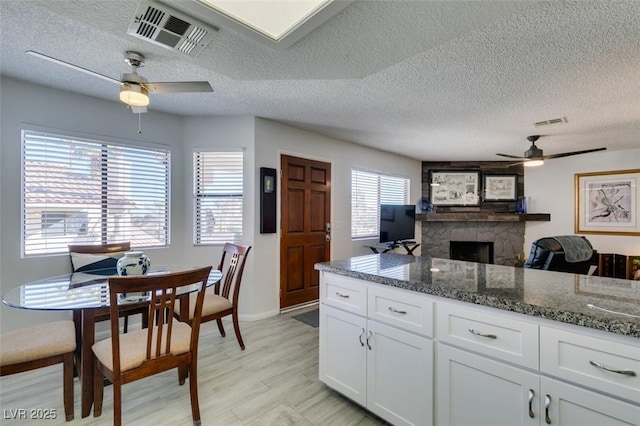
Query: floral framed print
(455, 188)
(607, 202)
(500, 187)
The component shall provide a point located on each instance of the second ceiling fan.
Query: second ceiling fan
(535, 157)
(134, 87)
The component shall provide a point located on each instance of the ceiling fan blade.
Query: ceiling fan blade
(179, 87)
(567, 154)
(511, 156)
(72, 66)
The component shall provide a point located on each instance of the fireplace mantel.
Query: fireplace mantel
(483, 217)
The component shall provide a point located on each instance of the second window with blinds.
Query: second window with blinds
(368, 191)
(218, 197)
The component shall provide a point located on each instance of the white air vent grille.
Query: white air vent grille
(550, 122)
(169, 28)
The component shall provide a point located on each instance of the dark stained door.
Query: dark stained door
(305, 227)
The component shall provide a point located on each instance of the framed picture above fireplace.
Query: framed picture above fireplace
(500, 187)
(455, 188)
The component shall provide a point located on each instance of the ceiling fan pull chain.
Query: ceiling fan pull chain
(139, 123)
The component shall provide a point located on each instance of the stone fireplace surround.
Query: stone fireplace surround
(507, 237)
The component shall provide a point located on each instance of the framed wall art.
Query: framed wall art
(455, 188)
(500, 187)
(607, 202)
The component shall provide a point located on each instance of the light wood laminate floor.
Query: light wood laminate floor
(273, 382)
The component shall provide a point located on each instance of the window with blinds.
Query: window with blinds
(368, 191)
(218, 196)
(81, 191)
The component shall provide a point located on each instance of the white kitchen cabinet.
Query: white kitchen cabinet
(387, 370)
(567, 405)
(476, 391)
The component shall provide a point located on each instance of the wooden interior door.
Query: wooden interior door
(305, 228)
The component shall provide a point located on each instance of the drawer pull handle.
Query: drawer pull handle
(547, 404)
(477, 333)
(346, 296)
(612, 370)
(360, 338)
(531, 396)
(369, 334)
(397, 311)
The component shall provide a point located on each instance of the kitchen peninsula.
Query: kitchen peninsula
(422, 340)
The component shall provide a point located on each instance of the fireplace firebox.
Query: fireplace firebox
(471, 251)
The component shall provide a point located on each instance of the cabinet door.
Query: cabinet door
(343, 353)
(477, 391)
(568, 405)
(400, 375)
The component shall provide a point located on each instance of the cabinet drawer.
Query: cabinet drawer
(588, 360)
(345, 293)
(497, 335)
(410, 312)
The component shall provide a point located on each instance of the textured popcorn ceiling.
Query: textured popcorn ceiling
(433, 80)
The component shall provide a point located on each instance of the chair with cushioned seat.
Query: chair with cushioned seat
(41, 346)
(166, 344)
(223, 301)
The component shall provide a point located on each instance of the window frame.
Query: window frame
(197, 220)
(379, 199)
(106, 144)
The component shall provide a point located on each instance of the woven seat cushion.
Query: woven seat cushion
(133, 346)
(212, 304)
(38, 342)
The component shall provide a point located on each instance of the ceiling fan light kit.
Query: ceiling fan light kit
(134, 95)
(134, 88)
(533, 163)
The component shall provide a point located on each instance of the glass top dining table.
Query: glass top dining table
(83, 290)
(87, 295)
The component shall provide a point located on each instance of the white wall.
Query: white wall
(26, 103)
(551, 188)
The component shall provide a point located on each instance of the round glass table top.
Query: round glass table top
(84, 290)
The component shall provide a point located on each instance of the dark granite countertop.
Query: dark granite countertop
(608, 304)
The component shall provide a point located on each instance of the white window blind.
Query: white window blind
(218, 197)
(80, 191)
(368, 191)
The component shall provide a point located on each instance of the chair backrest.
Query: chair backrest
(162, 293)
(86, 257)
(234, 258)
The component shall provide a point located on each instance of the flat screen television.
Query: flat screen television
(397, 222)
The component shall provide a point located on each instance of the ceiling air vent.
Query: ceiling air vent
(168, 28)
(550, 122)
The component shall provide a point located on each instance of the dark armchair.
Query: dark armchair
(566, 253)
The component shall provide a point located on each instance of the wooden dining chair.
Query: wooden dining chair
(222, 299)
(41, 346)
(89, 257)
(164, 345)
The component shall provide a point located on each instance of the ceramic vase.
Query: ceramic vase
(133, 263)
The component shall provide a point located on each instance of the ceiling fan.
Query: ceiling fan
(534, 156)
(134, 87)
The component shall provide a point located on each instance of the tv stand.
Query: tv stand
(409, 246)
